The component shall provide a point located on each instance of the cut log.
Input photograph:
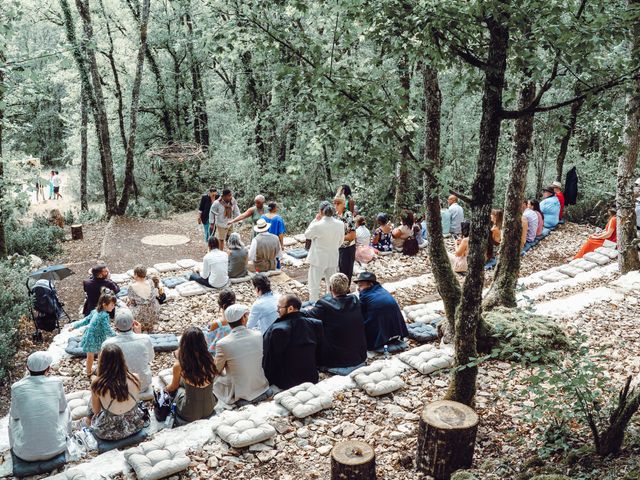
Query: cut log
(76, 232)
(446, 438)
(353, 460)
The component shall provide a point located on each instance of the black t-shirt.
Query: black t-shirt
(205, 206)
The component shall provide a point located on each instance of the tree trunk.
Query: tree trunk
(353, 460)
(199, 106)
(569, 128)
(76, 232)
(446, 282)
(253, 102)
(3, 241)
(625, 201)
(402, 167)
(610, 441)
(462, 386)
(133, 114)
(503, 288)
(446, 438)
(96, 96)
(84, 148)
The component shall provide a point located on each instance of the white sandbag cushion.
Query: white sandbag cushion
(189, 289)
(171, 294)
(570, 270)
(71, 474)
(242, 428)
(378, 379)
(166, 376)
(300, 237)
(146, 395)
(289, 241)
(119, 277)
(598, 258)
(159, 458)
(304, 400)
(234, 281)
(553, 276)
(166, 267)
(428, 359)
(78, 403)
(186, 263)
(607, 252)
(583, 264)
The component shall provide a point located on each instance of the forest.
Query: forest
(143, 105)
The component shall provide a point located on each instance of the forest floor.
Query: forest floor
(506, 447)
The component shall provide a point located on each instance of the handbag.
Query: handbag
(161, 404)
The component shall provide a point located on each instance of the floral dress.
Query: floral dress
(146, 311)
(216, 331)
(96, 333)
(385, 243)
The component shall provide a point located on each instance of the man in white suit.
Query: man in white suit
(240, 355)
(326, 234)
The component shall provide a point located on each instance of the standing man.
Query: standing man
(255, 212)
(557, 188)
(347, 252)
(57, 182)
(39, 418)
(456, 214)
(222, 212)
(205, 207)
(326, 234)
(265, 248)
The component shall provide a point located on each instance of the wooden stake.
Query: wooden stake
(353, 460)
(446, 438)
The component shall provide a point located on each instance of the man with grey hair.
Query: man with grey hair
(345, 345)
(326, 234)
(255, 211)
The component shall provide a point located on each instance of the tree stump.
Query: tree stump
(353, 460)
(76, 232)
(446, 438)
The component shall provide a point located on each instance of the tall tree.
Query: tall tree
(402, 166)
(3, 242)
(133, 111)
(625, 201)
(84, 148)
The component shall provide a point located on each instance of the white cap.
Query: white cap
(556, 184)
(235, 312)
(124, 319)
(39, 361)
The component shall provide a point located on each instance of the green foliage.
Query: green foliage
(550, 477)
(14, 304)
(40, 238)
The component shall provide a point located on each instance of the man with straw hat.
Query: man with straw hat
(265, 247)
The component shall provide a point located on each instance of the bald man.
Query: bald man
(457, 215)
(255, 211)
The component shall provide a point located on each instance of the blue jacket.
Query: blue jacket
(550, 208)
(383, 319)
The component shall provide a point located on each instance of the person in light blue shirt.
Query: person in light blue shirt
(265, 309)
(457, 215)
(550, 208)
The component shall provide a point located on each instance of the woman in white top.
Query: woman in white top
(143, 300)
(404, 231)
(114, 397)
(215, 267)
(364, 251)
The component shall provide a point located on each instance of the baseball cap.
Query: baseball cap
(123, 320)
(235, 312)
(39, 361)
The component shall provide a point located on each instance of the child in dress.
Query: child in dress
(98, 329)
(162, 297)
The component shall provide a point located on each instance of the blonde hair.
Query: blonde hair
(339, 284)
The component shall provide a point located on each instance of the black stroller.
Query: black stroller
(46, 308)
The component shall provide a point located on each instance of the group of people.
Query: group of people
(235, 359)
(53, 185)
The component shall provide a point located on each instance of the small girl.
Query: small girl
(99, 328)
(162, 297)
(364, 251)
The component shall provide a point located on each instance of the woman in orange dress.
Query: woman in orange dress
(597, 239)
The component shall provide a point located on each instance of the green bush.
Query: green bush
(41, 240)
(14, 303)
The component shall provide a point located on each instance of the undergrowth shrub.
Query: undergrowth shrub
(40, 238)
(14, 303)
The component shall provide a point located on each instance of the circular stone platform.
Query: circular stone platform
(165, 240)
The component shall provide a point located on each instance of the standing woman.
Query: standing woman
(350, 205)
(114, 397)
(347, 251)
(275, 221)
(193, 375)
(143, 299)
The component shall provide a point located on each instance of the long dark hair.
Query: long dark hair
(535, 206)
(407, 218)
(106, 298)
(113, 374)
(195, 360)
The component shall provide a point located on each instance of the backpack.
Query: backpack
(410, 246)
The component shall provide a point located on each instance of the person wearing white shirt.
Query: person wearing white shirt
(457, 215)
(327, 235)
(136, 347)
(56, 181)
(215, 267)
(39, 419)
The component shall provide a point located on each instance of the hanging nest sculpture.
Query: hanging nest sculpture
(178, 152)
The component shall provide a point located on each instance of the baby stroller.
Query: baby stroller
(46, 308)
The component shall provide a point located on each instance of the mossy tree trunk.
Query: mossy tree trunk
(503, 288)
(3, 242)
(462, 387)
(84, 148)
(446, 283)
(402, 167)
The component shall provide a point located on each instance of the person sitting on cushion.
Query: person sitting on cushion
(550, 208)
(264, 310)
(239, 354)
(383, 320)
(238, 257)
(345, 344)
(597, 239)
(215, 267)
(291, 346)
(39, 419)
